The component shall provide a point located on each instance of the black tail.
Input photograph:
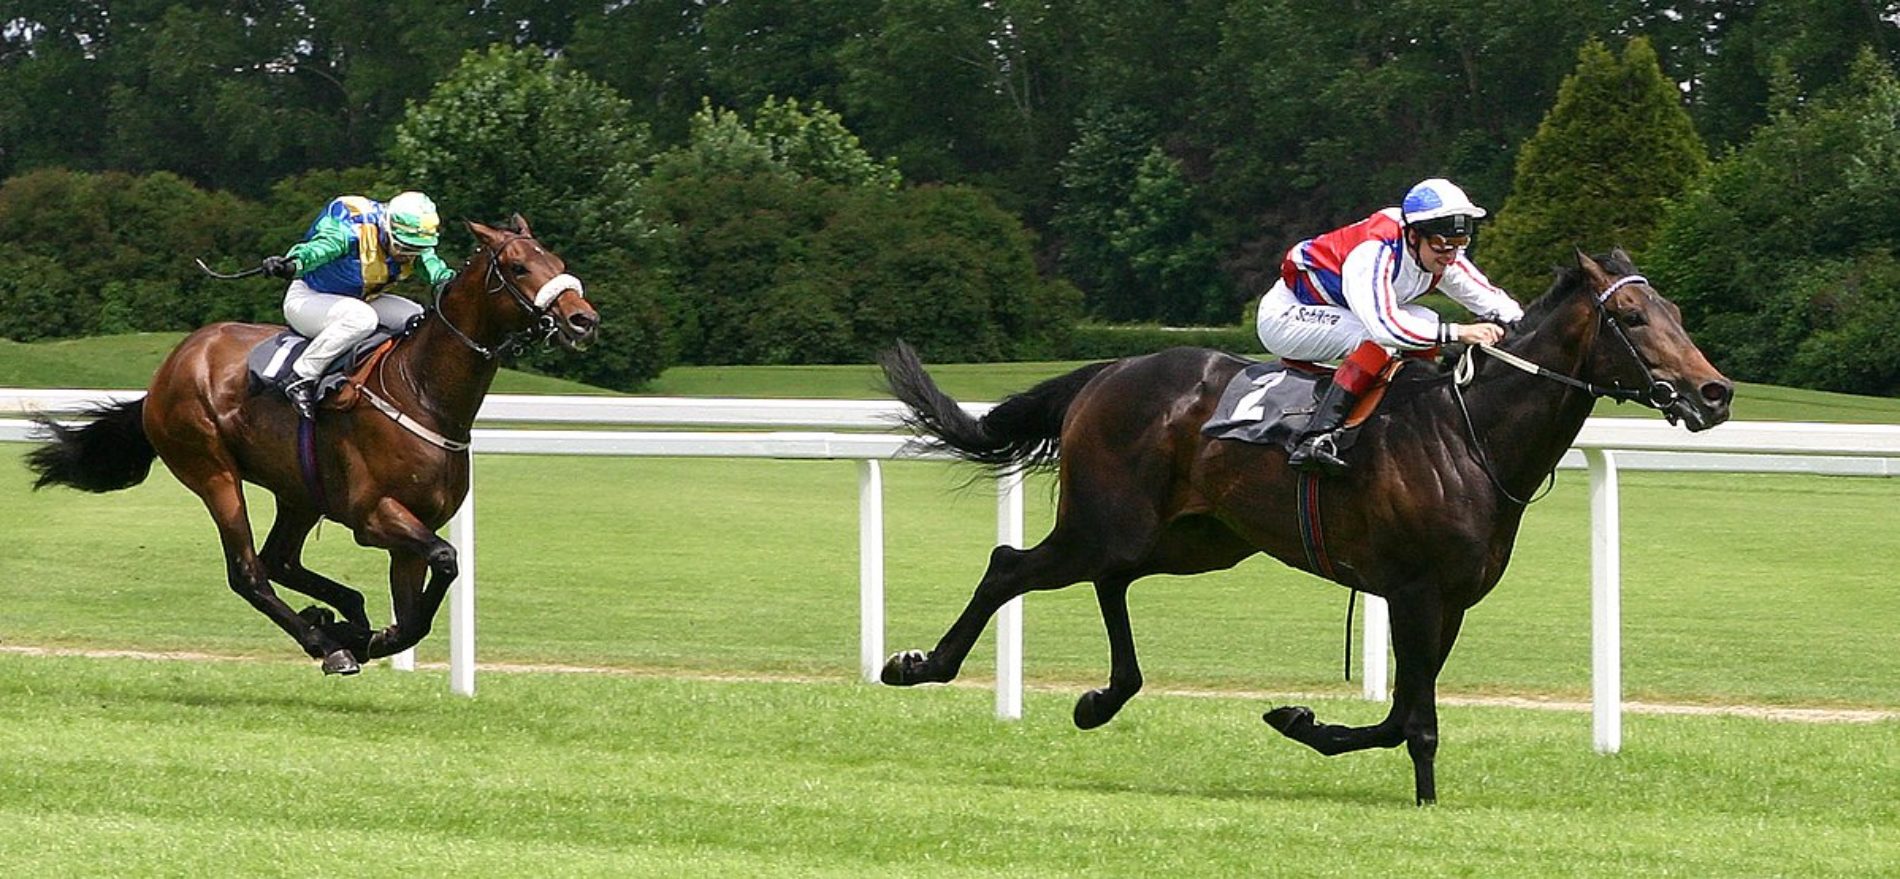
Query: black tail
(107, 453)
(1023, 432)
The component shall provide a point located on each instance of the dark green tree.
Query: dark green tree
(1606, 159)
(1783, 256)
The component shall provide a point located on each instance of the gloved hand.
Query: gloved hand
(280, 267)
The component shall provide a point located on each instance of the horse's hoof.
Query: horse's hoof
(904, 669)
(1093, 710)
(1289, 719)
(340, 662)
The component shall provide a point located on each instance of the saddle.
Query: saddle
(269, 364)
(1270, 402)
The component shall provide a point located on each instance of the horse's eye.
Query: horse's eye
(1633, 319)
(520, 270)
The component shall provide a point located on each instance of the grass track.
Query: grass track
(259, 769)
(1757, 589)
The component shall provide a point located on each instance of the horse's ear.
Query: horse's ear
(521, 224)
(1590, 267)
(1621, 255)
(481, 232)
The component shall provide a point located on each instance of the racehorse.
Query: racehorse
(1425, 518)
(392, 473)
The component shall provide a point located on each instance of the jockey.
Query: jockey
(1345, 294)
(353, 251)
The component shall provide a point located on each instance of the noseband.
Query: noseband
(542, 326)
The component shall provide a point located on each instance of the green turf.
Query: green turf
(752, 565)
(126, 768)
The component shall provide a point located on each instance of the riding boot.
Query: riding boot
(303, 395)
(1318, 447)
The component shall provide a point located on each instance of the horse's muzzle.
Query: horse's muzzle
(577, 331)
(1706, 408)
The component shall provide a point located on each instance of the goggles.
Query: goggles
(1447, 243)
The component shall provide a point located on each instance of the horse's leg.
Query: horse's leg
(283, 558)
(1421, 724)
(1099, 706)
(413, 550)
(1421, 641)
(1191, 545)
(1051, 564)
(223, 495)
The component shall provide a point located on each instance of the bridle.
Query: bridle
(1656, 394)
(542, 326)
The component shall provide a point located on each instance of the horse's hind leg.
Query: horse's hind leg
(283, 558)
(1099, 706)
(1051, 564)
(223, 495)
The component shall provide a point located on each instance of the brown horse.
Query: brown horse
(392, 472)
(1425, 518)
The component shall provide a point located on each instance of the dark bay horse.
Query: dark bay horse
(392, 472)
(1426, 517)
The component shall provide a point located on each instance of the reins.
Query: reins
(543, 325)
(1658, 395)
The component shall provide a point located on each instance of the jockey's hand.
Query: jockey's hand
(280, 267)
(1477, 334)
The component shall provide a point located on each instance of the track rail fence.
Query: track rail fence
(864, 431)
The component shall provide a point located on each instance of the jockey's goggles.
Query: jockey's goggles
(1447, 243)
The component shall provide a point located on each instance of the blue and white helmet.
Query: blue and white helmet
(1438, 207)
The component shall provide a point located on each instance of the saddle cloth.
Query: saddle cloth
(270, 361)
(1268, 403)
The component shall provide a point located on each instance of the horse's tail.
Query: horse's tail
(1022, 432)
(107, 453)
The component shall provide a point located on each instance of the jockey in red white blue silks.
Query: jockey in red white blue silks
(353, 252)
(1346, 295)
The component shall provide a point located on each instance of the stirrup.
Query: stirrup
(1318, 454)
(302, 394)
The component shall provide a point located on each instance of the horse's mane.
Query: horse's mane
(1567, 282)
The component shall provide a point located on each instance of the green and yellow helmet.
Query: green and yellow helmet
(413, 221)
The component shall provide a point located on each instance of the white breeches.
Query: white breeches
(1317, 333)
(334, 323)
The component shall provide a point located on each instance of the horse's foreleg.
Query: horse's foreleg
(248, 575)
(1422, 633)
(1012, 572)
(414, 550)
(283, 558)
(1097, 707)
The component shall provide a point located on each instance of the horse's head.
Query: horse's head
(525, 288)
(1641, 343)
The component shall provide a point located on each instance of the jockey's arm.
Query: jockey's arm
(330, 241)
(1366, 284)
(433, 270)
(1468, 286)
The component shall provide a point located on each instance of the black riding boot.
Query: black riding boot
(1318, 448)
(303, 395)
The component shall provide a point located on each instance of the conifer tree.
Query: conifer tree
(1612, 151)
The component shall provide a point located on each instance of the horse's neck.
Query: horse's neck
(1524, 423)
(442, 374)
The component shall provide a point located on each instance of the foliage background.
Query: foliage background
(1151, 159)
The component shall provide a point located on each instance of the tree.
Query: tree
(511, 130)
(1782, 257)
(1606, 159)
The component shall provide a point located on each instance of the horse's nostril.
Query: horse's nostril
(1718, 393)
(582, 322)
